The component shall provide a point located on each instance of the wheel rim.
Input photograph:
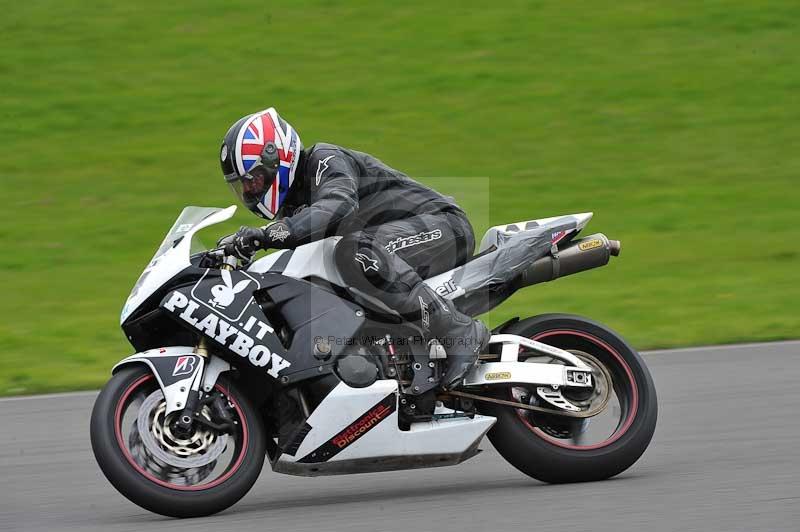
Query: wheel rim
(205, 471)
(608, 426)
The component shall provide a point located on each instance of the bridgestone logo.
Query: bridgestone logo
(413, 240)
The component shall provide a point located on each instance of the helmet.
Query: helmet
(259, 157)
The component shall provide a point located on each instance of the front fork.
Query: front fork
(212, 368)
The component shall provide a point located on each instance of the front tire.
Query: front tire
(536, 445)
(145, 484)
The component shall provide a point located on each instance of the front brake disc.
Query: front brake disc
(201, 449)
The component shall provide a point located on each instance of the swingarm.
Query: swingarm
(573, 372)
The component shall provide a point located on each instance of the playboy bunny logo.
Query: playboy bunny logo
(224, 294)
(229, 296)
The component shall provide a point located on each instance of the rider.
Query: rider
(396, 231)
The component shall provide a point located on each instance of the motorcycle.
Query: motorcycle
(278, 359)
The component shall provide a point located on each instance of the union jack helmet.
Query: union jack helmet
(259, 157)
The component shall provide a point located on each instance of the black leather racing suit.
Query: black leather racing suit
(395, 233)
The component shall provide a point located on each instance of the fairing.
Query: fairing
(355, 430)
(174, 253)
(245, 312)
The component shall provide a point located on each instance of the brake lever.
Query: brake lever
(229, 260)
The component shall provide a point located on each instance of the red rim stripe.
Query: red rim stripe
(126, 452)
(634, 395)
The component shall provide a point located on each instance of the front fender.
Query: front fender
(178, 369)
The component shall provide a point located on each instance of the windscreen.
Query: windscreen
(190, 217)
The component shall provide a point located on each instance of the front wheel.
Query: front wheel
(167, 472)
(558, 449)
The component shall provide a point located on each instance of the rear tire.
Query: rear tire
(174, 501)
(544, 457)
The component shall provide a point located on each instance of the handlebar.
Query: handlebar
(226, 256)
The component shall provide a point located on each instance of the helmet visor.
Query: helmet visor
(256, 190)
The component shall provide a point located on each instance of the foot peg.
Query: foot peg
(436, 351)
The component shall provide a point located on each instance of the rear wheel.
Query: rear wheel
(556, 448)
(167, 472)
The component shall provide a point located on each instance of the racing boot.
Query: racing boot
(463, 338)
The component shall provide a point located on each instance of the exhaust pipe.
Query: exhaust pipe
(579, 255)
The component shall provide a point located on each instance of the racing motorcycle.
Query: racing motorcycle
(278, 359)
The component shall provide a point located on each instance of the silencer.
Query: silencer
(579, 255)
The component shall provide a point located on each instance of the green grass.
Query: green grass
(677, 123)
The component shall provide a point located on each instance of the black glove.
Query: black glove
(246, 242)
(226, 240)
(278, 235)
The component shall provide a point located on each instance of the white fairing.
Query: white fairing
(490, 237)
(384, 446)
(171, 259)
(310, 260)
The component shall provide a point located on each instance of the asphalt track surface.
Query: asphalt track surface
(724, 458)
